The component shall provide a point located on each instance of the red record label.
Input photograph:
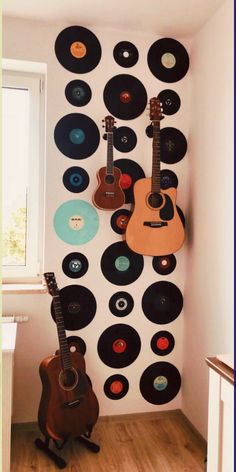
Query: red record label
(125, 181)
(163, 343)
(119, 345)
(116, 387)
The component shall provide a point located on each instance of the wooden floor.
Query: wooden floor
(129, 443)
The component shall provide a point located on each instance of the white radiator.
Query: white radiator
(8, 348)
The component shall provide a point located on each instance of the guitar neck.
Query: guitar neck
(156, 158)
(109, 153)
(64, 348)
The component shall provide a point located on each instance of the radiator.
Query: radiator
(8, 348)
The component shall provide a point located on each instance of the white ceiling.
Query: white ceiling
(164, 17)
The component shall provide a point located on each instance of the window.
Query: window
(22, 171)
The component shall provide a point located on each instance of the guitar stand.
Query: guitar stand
(59, 461)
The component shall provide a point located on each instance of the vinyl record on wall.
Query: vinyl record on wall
(170, 101)
(120, 265)
(78, 49)
(164, 265)
(78, 306)
(119, 345)
(125, 54)
(76, 222)
(173, 145)
(162, 302)
(75, 179)
(162, 343)
(75, 265)
(121, 304)
(160, 383)
(76, 136)
(116, 387)
(78, 93)
(125, 96)
(124, 138)
(119, 220)
(131, 172)
(168, 179)
(168, 60)
(77, 344)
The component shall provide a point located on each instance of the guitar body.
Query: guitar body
(109, 194)
(154, 231)
(68, 405)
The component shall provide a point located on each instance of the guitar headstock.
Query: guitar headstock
(156, 109)
(51, 283)
(109, 123)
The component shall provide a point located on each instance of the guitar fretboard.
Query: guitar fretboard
(64, 348)
(156, 158)
(109, 153)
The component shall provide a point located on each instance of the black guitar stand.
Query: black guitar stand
(59, 461)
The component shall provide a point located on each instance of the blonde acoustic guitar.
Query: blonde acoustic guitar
(155, 227)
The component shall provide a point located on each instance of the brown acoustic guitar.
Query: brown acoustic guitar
(109, 194)
(155, 227)
(68, 407)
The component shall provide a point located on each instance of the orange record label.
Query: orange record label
(116, 387)
(119, 345)
(78, 49)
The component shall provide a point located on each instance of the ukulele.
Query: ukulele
(154, 228)
(109, 194)
(68, 405)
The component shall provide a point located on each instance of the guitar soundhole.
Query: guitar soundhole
(109, 179)
(155, 200)
(68, 379)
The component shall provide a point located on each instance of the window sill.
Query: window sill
(12, 289)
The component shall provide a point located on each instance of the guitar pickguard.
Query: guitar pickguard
(167, 212)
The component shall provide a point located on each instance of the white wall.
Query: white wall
(208, 321)
(31, 40)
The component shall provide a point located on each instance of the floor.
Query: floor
(128, 443)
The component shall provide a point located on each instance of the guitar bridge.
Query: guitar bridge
(155, 224)
(109, 194)
(72, 404)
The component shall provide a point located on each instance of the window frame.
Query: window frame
(35, 83)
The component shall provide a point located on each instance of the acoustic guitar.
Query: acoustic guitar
(68, 405)
(155, 227)
(109, 194)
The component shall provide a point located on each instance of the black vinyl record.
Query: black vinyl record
(131, 171)
(162, 302)
(77, 344)
(168, 60)
(170, 101)
(173, 145)
(168, 179)
(78, 49)
(125, 54)
(76, 136)
(119, 220)
(160, 383)
(125, 96)
(75, 179)
(124, 139)
(162, 343)
(78, 93)
(120, 265)
(164, 265)
(121, 304)
(119, 345)
(75, 265)
(78, 306)
(116, 387)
